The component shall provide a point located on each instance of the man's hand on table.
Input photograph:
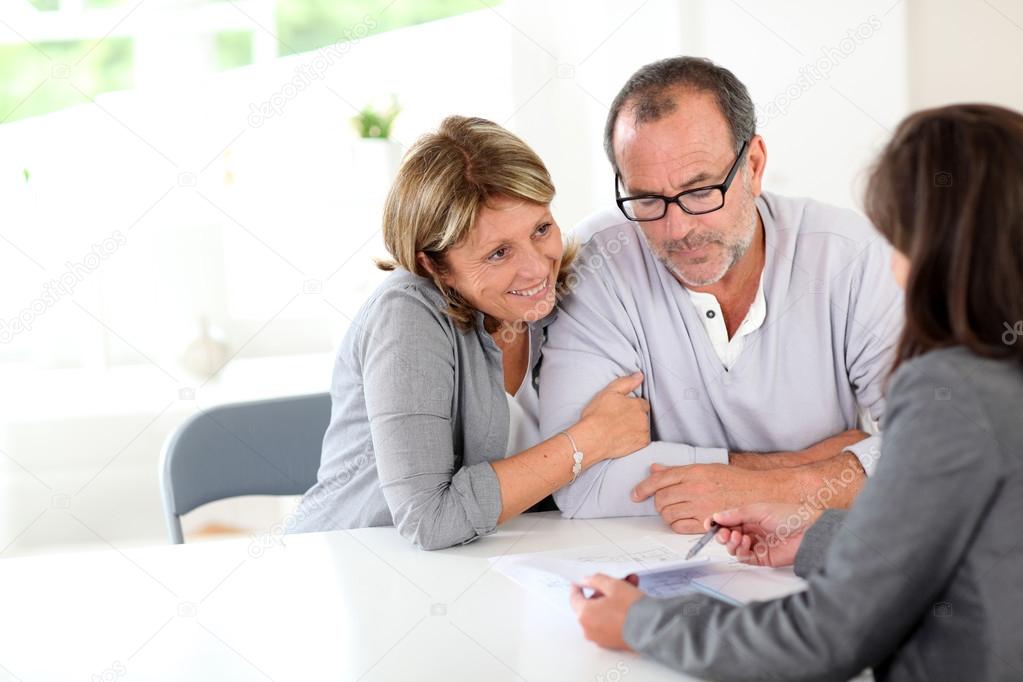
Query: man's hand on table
(686, 495)
(822, 475)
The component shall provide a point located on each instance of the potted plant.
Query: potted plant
(375, 155)
(373, 124)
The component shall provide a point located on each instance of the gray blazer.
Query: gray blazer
(418, 413)
(921, 580)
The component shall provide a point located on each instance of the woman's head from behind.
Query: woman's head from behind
(947, 193)
(470, 210)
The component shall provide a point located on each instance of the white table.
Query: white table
(345, 605)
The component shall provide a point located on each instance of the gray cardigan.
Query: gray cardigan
(921, 580)
(418, 413)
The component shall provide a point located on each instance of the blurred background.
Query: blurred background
(190, 190)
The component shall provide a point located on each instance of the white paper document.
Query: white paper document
(551, 573)
(662, 572)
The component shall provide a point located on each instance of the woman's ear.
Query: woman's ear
(436, 270)
(900, 267)
(425, 263)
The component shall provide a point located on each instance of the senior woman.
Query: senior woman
(434, 420)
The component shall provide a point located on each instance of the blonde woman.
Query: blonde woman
(434, 425)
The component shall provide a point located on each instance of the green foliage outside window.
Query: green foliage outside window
(34, 80)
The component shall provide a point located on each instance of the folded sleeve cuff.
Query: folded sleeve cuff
(816, 540)
(868, 451)
(480, 494)
(710, 455)
(648, 621)
(640, 622)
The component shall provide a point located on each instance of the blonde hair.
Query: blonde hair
(445, 179)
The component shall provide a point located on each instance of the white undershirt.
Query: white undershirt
(728, 350)
(524, 411)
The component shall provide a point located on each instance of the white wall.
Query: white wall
(822, 127)
(965, 51)
(282, 255)
(567, 75)
(234, 216)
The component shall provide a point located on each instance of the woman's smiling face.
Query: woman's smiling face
(507, 267)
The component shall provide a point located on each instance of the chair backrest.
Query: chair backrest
(266, 447)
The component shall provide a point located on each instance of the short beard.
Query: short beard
(735, 249)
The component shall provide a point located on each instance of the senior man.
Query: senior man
(764, 325)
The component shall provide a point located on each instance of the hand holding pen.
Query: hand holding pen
(762, 534)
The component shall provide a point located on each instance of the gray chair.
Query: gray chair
(266, 447)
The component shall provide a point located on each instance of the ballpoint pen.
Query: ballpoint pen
(714, 528)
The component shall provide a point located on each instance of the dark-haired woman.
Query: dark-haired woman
(923, 578)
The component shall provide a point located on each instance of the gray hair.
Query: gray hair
(650, 95)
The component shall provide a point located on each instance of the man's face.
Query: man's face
(691, 147)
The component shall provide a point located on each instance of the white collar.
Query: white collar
(755, 316)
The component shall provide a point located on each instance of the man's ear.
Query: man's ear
(757, 163)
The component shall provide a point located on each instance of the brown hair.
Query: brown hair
(947, 191)
(444, 181)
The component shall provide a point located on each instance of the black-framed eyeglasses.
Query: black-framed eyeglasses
(644, 207)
